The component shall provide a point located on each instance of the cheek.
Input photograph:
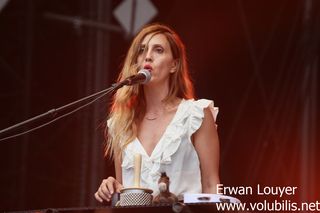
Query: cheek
(168, 65)
(163, 61)
(139, 59)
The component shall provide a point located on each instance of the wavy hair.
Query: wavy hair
(128, 104)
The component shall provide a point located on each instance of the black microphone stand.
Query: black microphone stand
(54, 112)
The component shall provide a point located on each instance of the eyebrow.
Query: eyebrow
(154, 45)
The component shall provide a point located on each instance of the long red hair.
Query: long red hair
(128, 102)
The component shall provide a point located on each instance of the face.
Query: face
(155, 55)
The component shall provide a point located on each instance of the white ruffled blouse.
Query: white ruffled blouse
(173, 154)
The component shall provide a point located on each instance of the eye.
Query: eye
(159, 49)
(141, 49)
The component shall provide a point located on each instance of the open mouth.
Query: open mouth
(147, 67)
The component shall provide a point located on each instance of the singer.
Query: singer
(161, 121)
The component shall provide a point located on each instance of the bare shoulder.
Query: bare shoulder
(206, 142)
(208, 126)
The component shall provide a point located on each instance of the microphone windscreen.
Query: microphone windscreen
(147, 74)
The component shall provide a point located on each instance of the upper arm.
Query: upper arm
(206, 143)
(118, 170)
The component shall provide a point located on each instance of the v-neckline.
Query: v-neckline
(163, 134)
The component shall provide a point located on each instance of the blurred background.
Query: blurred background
(258, 61)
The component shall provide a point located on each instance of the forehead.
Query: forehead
(153, 39)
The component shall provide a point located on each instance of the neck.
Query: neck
(155, 106)
(154, 96)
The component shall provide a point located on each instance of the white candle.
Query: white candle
(137, 170)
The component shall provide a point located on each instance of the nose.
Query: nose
(148, 57)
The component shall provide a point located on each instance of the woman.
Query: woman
(161, 121)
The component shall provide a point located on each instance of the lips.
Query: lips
(147, 67)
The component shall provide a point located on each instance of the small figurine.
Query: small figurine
(165, 196)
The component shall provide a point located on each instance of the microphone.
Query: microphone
(142, 77)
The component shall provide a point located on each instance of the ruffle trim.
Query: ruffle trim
(161, 156)
(197, 114)
(187, 121)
